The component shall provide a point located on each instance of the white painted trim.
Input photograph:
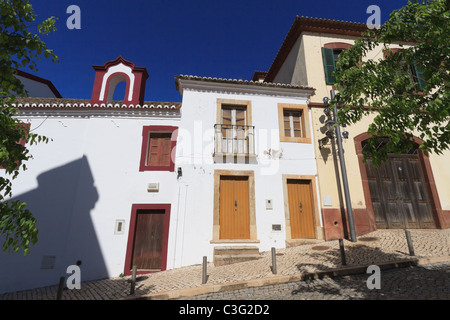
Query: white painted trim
(111, 71)
(202, 85)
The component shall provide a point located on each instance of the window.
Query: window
(330, 54)
(158, 148)
(233, 117)
(417, 77)
(233, 129)
(293, 126)
(413, 71)
(294, 123)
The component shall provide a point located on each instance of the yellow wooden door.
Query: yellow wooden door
(234, 208)
(301, 209)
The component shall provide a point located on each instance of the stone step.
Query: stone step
(233, 254)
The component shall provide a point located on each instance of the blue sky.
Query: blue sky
(215, 38)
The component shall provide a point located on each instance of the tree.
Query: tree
(19, 48)
(408, 89)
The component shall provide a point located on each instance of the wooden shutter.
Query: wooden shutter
(287, 124)
(159, 149)
(328, 65)
(226, 122)
(419, 74)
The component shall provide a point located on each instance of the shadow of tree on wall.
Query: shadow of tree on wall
(62, 205)
(395, 283)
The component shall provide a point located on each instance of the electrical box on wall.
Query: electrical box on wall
(153, 187)
(269, 204)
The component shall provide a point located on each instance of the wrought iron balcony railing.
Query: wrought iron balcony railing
(234, 140)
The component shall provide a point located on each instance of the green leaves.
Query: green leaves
(406, 90)
(19, 48)
(18, 226)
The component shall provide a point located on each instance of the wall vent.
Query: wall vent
(276, 227)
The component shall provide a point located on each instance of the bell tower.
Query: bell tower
(108, 76)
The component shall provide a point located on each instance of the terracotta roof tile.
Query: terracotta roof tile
(85, 104)
(239, 81)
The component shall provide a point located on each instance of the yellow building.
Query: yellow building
(408, 191)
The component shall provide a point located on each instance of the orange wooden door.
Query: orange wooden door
(301, 209)
(234, 208)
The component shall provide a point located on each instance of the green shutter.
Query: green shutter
(328, 65)
(420, 79)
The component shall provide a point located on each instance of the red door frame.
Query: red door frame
(131, 233)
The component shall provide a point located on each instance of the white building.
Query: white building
(160, 185)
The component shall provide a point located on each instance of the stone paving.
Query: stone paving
(375, 248)
(428, 282)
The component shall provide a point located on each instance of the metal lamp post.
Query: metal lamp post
(343, 167)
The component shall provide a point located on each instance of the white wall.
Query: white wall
(88, 177)
(77, 186)
(36, 88)
(194, 154)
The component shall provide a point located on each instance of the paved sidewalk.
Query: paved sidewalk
(385, 248)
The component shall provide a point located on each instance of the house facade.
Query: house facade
(92, 179)
(248, 167)
(161, 185)
(408, 191)
(236, 167)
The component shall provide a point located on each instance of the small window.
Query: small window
(159, 149)
(158, 145)
(293, 126)
(293, 122)
(330, 55)
(414, 72)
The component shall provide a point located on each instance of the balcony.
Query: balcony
(234, 140)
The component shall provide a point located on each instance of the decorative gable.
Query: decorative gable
(108, 76)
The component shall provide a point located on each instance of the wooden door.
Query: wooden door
(234, 208)
(301, 209)
(399, 194)
(148, 239)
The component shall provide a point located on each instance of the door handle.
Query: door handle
(301, 206)
(235, 203)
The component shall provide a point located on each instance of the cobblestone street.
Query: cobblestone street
(432, 247)
(430, 282)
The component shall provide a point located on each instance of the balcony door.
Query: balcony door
(234, 130)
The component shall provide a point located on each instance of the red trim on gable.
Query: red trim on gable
(145, 139)
(127, 89)
(132, 229)
(140, 77)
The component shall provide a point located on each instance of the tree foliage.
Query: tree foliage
(407, 90)
(20, 47)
